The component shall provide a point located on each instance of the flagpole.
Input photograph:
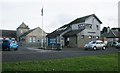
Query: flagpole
(42, 28)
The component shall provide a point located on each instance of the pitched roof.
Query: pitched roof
(111, 34)
(117, 33)
(26, 33)
(72, 33)
(23, 26)
(80, 20)
(56, 33)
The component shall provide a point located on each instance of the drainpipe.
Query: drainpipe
(61, 42)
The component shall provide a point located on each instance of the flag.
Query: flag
(42, 11)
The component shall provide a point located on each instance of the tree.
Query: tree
(104, 30)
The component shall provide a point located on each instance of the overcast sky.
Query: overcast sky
(56, 12)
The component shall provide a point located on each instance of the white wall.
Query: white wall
(76, 26)
(94, 32)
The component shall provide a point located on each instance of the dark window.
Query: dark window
(88, 26)
(97, 27)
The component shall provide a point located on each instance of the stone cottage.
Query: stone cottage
(28, 36)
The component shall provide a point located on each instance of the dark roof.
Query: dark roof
(9, 33)
(116, 29)
(111, 34)
(80, 20)
(26, 33)
(56, 33)
(72, 33)
(117, 34)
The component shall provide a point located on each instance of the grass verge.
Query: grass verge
(107, 62)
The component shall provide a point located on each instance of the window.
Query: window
(30, 39)
(68, 39)
(81, 26)
(21, 31)
(97, 27)
(97, 37)
(88, 26)
(90, 37)
(34, 39)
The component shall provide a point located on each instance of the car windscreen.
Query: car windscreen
(92, 42)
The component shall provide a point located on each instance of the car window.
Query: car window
(93, 42)
(6, 41)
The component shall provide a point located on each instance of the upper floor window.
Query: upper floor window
(34, 38)
(97, 27)
(21, 31)
(81, 26)
(88, 26)
(30, 39)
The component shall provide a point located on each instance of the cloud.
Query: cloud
(56, 12)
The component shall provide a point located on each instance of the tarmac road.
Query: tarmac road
(31, 54)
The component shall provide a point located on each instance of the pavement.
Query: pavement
(33, 53)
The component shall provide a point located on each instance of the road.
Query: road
(31, 54)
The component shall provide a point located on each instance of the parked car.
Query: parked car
(97, 44)
(6, 45)
(113, 44)
(13, 45)
(118, 45)
(9, 45)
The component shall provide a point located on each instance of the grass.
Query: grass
(107, 62)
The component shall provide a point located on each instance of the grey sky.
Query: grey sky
(56, 12)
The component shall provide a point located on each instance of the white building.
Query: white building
(77, 33)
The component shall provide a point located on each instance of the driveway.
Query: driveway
(31, 54)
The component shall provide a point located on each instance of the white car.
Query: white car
(117, 45)
(97, 44)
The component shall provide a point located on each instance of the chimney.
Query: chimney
(108, 29)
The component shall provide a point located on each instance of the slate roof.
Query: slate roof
(108, 35)
(111, 34)
(56, 33)
(80, 20)
(72, 33)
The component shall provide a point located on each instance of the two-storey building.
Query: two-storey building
(77, 33)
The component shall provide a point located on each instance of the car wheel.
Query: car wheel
(103, 48)
(94, 48)
(86, 49)
(15, 49)
(3, 49)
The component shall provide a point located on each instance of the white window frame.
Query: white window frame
(34, 39)
(21, 31)
(30, 39)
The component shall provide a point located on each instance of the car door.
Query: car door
(98, 44)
